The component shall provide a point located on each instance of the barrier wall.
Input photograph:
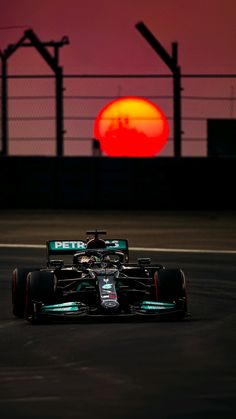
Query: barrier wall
(117, 183)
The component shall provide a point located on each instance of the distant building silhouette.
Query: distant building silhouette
(96, 149)
(221, 137)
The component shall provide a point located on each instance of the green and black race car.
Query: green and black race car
(97, 281)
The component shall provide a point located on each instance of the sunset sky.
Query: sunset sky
(103, 37)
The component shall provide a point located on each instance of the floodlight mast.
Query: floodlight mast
(172, 64)
(53, 62)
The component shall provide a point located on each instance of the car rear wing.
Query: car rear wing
(70, 247)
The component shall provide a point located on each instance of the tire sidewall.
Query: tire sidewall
(40, 287)
(19, 279)
(171, 285)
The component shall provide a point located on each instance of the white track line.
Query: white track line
(134, 249)
(166, 250)
(23, 246)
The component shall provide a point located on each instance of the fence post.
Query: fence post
(4, 112)
(59, 112)
(172, 63)
(52, 61)
(177, 102)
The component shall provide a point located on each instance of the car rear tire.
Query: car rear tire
(19, 277)
(40, 287)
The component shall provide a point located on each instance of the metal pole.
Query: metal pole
(177, 113)
(4, 107)
(177, 102)
(59, 112)
(172, 63)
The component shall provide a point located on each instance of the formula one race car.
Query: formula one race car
(98, 281)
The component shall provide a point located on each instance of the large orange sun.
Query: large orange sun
(131, 127)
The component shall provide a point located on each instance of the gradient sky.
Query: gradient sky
(103, 37)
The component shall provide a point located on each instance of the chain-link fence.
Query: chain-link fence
(32, 109)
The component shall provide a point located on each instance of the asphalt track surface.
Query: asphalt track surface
(125, 369)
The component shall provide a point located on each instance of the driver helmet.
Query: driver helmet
(96, 244)
(95, 259)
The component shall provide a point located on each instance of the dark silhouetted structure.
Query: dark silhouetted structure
(96, 149)
(221, 137)
(172, 64)
(30, 39)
